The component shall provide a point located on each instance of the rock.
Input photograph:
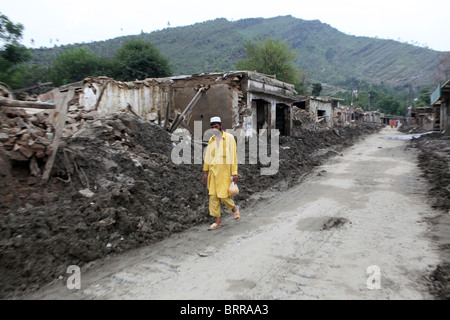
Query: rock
(4, 137)
(26, 151)
(87, 193)
(90, 115)
(152, 116)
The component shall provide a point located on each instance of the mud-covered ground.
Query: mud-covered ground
(137, 195)
(434, 162)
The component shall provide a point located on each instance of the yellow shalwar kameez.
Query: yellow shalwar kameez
(221, 163)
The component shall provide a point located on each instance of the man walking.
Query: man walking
(219, 170)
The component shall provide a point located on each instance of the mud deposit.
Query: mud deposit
(114, 187)
(434, 162)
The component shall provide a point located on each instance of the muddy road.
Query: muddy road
(356, 228)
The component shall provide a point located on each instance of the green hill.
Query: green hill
(327, 54)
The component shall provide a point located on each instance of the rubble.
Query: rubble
(25, 137)
(305, 120)
(433, 160)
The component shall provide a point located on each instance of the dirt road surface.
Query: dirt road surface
(354, 229)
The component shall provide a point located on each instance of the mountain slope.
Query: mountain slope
(327, 54)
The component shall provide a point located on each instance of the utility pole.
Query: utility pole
(352, 96)
(410, 95)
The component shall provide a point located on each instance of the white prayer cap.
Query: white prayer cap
(215, 120)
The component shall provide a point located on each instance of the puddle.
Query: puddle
(406, 136)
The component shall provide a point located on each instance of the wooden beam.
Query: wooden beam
(166, 121)
(101, 94)
(61, 101)
(26, 104)
(130, 108)
(37, 86)
(191, 104)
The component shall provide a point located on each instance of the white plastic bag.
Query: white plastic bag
(233, 189)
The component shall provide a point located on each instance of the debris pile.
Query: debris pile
(26, 138)
(113, 187)
(433, 160)
(303, 119)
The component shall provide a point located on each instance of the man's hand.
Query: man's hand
(235, 178)
(205, 177)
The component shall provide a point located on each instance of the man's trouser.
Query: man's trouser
(214, 205)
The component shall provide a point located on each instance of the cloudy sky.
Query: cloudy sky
(50, 22)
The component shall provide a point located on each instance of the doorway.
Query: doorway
(262, 114)
(282, 122)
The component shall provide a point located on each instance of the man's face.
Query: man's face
(217, 128)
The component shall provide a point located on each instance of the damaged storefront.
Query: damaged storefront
(247, 100)
(440, 100)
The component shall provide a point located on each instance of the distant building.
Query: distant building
(426, 118)
(440, 99)
(322, 108)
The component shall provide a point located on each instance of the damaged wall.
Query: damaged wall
(228, 95)
(343, 115)
(147, 97)
(425, 117)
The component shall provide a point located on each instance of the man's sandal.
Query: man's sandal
(214, 226)
(236, 214)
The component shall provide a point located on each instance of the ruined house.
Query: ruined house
(436, 116)
(322, 108)
(426, 118)
(243, 99)
(440, 99)
(344, 115)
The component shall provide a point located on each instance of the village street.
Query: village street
(354, 229)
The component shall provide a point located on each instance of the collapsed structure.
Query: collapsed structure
(440, 100)
(248, 100)
(243, 99)
(436, 116)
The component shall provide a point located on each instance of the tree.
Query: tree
(272, 57)
(424, 98)
(317, 89)
(389, 105)
(10, 31)
(12, 54)
(140, 59)
(77, 64)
